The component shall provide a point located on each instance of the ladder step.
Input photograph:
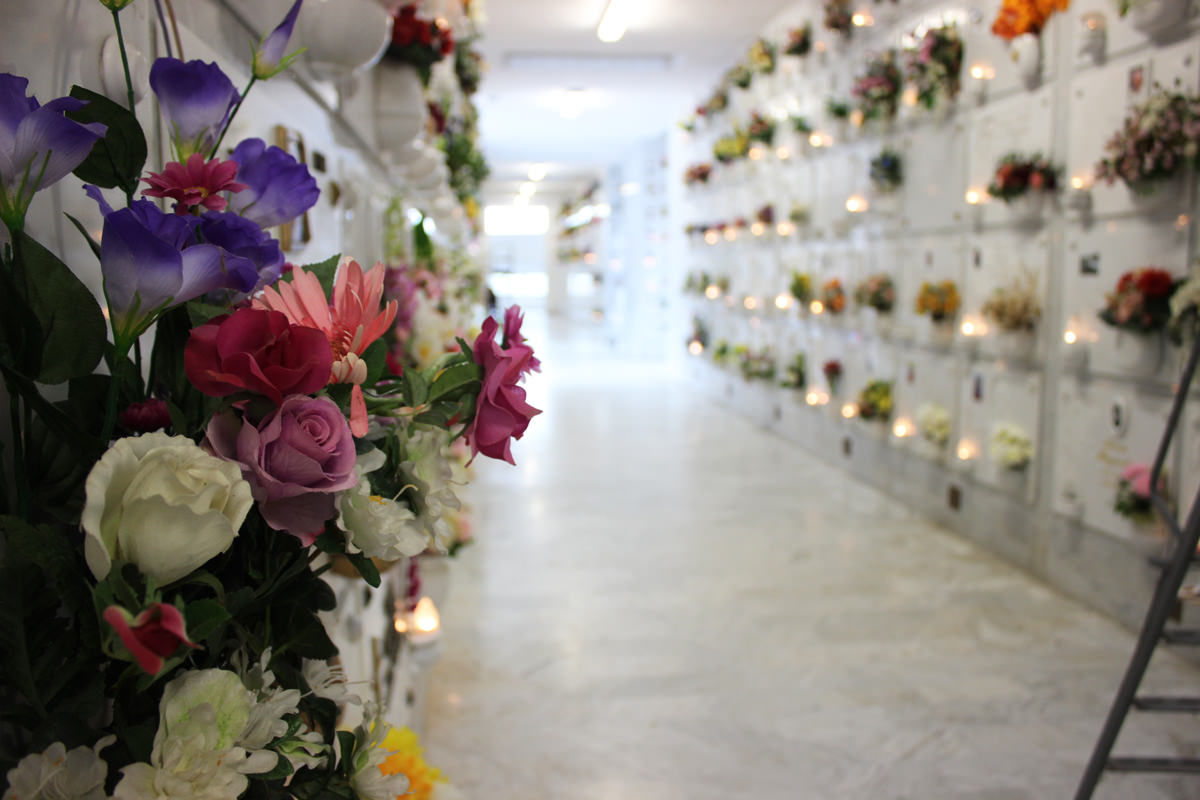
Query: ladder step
(1143, 764)
(1182, 636)
(1157, 703)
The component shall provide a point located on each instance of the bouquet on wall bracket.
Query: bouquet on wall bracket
(832, 370)
(761, 129)
(1141, 301)
(418, 40)
(799, 42)
(877, 292)
(1018, 174)
(1132, 499)
(940, 300)
(1159, 140)
(740, 75)
(875, 401)
(697, 174)
(878, 90)
(837, 109)
(164, 520)
(887, 171)
(756, 364)
(734, 147)
(1019, 17)
(1010, 447)
(935, 423)
(801, 287)
(761, 57)
(1016, 306)
(796, 373)
(833, 296)
(838, 17)
(934, 66)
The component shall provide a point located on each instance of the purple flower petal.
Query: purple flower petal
(269, 56)
(279, 188)
(141, 271)
(253, 259)
(196, 99)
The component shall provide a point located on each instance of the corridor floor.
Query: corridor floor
(666, 603)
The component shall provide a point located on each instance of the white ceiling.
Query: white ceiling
(673, 52)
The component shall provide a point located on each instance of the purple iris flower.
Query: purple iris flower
(150, 264)
(270, 57)
(196, 98)
(38, 145)
(248, 251)
(279, 188)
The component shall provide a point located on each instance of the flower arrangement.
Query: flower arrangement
(163, 537)
(796, 373)
(877, 292)
(419, 41)
(729, 149)
(934, 423)
(1019, 17)
(1018, 174)
(718, 102)
(459, 142)
(939, 300)
(1010, 447)
(839, 17)
(697, 173)
(799, 42)
(837, 109)
(1185, 310)
(696, 282)
(756, 365)
(799, 215)
(468, 67)
(761, 129)
(887, 171)
(1133, 492)
(765, 215)
(801, 125)
(934, 65)
(833, 296)
(740, 75)
(801, 287)
(1141, 301)
(1016, 306)
(878, 90)
(1155, 143)
(761, 57)
(875, 401)
(721, 353)
(832, 370)
(699, 332)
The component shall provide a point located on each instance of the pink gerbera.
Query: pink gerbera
(196, 183)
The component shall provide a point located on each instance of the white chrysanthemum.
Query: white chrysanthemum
(328, 681)
(368, 780)
(934, 422)
(376, 526)
(1010, 447)
(59, 774)
(427, 468)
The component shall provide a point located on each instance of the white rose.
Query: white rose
(376, 526)
(164, 504)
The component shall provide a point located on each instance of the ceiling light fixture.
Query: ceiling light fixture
(527, 189)
(537, 173)
(612, 22)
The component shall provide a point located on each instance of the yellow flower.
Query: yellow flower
(405, 758)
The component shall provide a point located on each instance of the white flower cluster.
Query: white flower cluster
(1184, 299)
(934, 422)
(1010, 446)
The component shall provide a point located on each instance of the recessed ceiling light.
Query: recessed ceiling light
(612, 22)
(537, 172)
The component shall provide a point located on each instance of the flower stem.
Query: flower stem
(20, 478)
(124, 58)
(232, 114)
(119, 351)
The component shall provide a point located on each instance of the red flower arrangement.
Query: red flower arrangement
(420, 42)
(1141, 301)
(832, 370)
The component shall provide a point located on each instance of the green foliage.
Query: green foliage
(116, 161)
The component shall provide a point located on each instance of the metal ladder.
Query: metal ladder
(1181, 554)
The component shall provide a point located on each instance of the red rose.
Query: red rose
(257, 351)
(152, 636)
(501, 413)
(1125, 283)
(151, 415)
(1154, 283)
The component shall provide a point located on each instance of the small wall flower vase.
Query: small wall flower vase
(1159, 197)
(1026, 53)
(342, 37)
(1156, 17)
(1028, 209)
(1139, 354)
(1017, 346)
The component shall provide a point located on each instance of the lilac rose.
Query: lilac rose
(296, 460)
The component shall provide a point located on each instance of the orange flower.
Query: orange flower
(352, 322)
(1018, 17)
(405, 758)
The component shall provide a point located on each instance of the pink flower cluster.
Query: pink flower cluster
(1160, 138)
(1137, 475)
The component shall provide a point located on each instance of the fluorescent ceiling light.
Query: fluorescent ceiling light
(612, 23)
(537, 173)
(527, 188)
(571, 106)
(608, 62)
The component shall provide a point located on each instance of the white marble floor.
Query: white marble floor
(666, 603)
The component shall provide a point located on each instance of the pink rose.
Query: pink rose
(1131, 471)
(152, 636)
(295, 460)
(501, 413)
(1140, 485)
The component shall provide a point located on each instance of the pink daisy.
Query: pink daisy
(196, 183)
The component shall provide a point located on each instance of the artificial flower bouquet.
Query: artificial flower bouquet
(1019, 17)
(468, 67)
(729, 149)
(740, 75)
(875, 401)
(796, 373)
(939, 300)
(1156, 142)
(761, 129)
(1141, 301)
(1133, 493)
(418, 40)
(877, 292)
(934, 423)
(833, 296)
(801, 287)
(721, 353)
(887, 171)
(699, 333)
(837, 109)
(697, 174)
(1018, 174)
(1016, 306)
(1185, 310)
(832, 370)
(838, 16)
(756, 364)
(878, 90)
(765, 216)
(718, 102)
(164, 520)
(799, 215)
(801, 125)
(934, 66)
(761, 57)
(1010, 446)
(799, 41)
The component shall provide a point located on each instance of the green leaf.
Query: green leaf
(20, 331)
(325, 271)
(203, 617)
(454, 378)
(116, 161)
(73, 329)
(92, 243)
(366, 567)
(200, 312)
(416, 388)
(376, 358)
(61, 424)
